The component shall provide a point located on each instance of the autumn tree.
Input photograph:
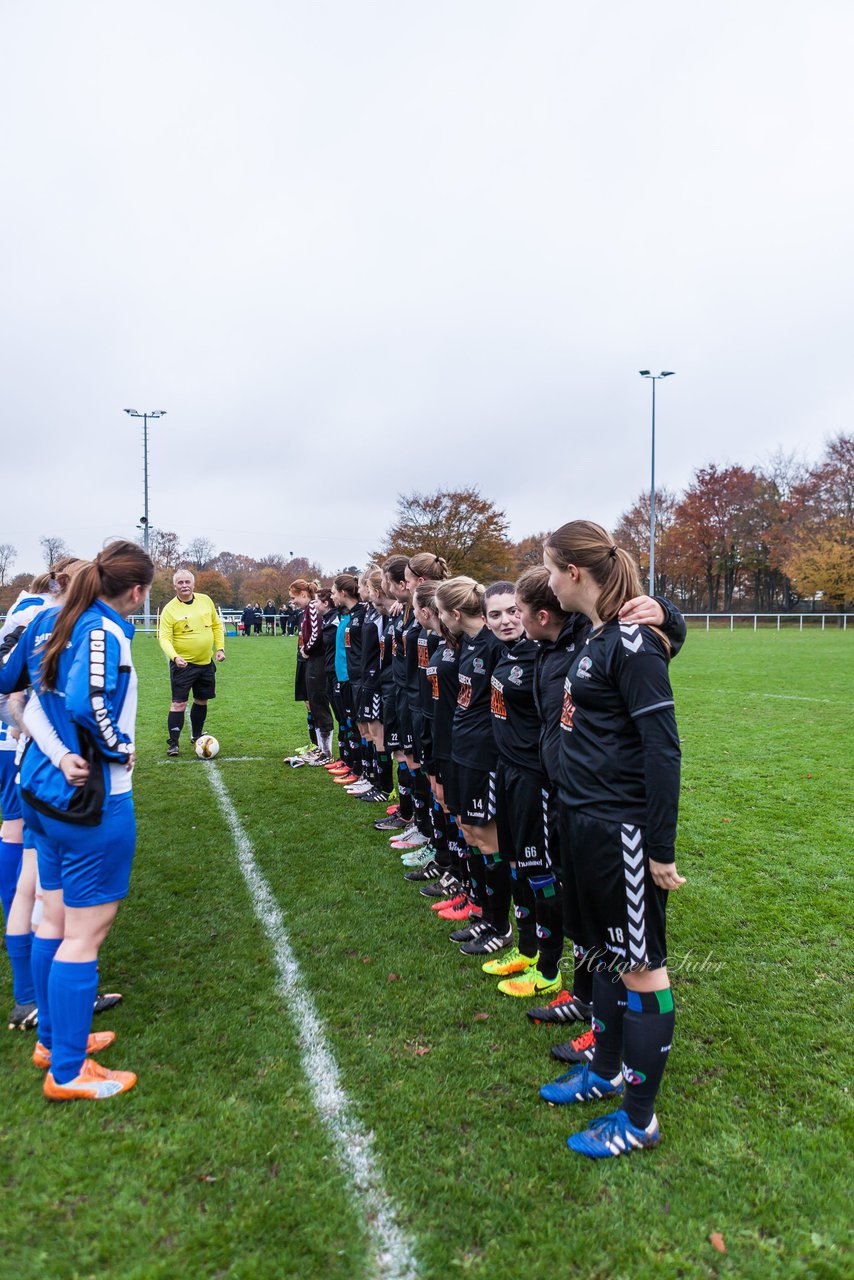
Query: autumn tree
(817, 554)
(164, 547)
(822, 563)
(632, 533)
(10, 592)
(200, 552)
(527, 553)
(53, 549)
(460, 524)
(217, 586)
(718, 520)
(8, 555)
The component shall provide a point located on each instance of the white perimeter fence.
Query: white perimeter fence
(707, 621)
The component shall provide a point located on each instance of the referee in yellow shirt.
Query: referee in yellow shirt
(191, 636)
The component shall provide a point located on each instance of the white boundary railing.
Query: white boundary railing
(777, 621)
(709, 621)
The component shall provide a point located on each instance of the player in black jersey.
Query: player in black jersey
(532, 967)
(618, 777)
(420, 569)
(376, 783)
(558, 635)
(345, 597)
(394, 571)
(443, 836)
(470, 783)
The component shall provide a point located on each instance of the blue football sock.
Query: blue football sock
(72, 989)
(41, 960)
(19, 946)
(10, 869)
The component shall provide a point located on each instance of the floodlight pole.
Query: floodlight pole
(153, 414)
(653, 377)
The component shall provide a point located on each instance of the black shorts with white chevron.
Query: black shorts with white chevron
(615, 905)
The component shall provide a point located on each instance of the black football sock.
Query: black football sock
(405, 803)
(477, 892)
(498, 882)
(312, 734)
(609, 1007)
(197, 718)
(548, 910)
(647, 1036)
(175, 722)
(526, 920)
(439, 835)
(386, 780)
(582, 982)
(420, 796)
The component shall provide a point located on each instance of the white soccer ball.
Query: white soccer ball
(206, 747)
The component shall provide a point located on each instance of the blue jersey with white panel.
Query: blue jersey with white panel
(92, 711)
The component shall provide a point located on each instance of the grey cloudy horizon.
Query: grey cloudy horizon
(359, 249)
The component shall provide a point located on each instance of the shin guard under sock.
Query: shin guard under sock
(609, 1007)
(647, 1036)
(420, 797)
(498, 881)
(385, 781)
(19, 946)
(41, 961)
(175, 723)
(405, 805)
(548, 910)
(524, 911)
(10, 868)
(582, 982)
(197, 718)
(72, 988)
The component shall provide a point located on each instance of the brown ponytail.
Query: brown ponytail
(589, 546)
(394, 568)
(120, 566)
(426, 565)
(463, 594)
(533, 590)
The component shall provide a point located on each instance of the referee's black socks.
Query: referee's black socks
(175, 723)
(198, 711)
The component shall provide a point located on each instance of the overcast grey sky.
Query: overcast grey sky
(358, 247)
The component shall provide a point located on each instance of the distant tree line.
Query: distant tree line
(762, 539)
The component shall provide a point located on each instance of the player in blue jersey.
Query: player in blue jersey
(20, 893)
(618, 779)
(79, 662)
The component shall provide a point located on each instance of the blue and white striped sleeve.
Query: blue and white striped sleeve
(92, 680)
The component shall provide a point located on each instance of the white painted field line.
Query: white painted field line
(222, 760)
(394, 1257)
(780, 697)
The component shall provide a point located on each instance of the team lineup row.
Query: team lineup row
(534, 737)
(530, 731)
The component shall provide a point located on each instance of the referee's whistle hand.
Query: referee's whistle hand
(665, 875)
(220, 655)
(180, 662)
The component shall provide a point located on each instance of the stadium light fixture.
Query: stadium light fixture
(653, 377)
(144, 521)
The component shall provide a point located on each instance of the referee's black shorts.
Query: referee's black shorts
(200, 678)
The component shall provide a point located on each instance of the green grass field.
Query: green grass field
(218, 1165)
